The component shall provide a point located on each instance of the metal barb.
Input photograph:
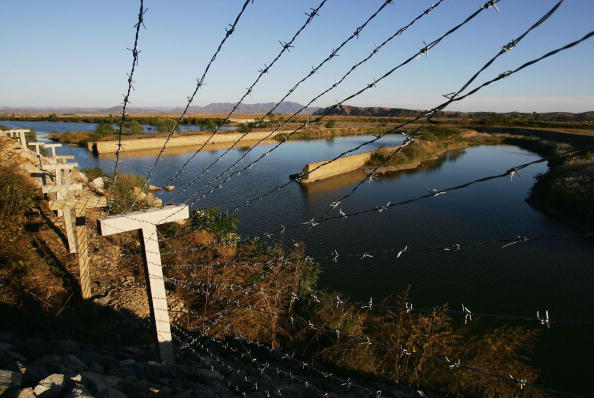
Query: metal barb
(467, 314)
(544, 320)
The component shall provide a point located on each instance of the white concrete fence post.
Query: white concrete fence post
(52, 147)
(61, 193)
(78, 207)
(38, 151)
(146, 223)
(22, 134)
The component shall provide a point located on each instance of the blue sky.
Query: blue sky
(73, 53)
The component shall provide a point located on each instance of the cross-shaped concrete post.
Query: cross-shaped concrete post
(21, 135)
(146, 223)
(58, 170)
(61, 193)
(78, 206)
(52, 147)
(37, 145)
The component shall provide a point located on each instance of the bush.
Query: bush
(93, 173)
(217, 222)
(123, 192)
(104, 129)
(330, 124)
(438, 133)
(163, 124)
(132, 127)
(209, 126)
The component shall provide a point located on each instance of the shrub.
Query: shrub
(164, 124)
(104, 129)
(438, 133)
(124, 194)
(218, 222)
(93, 173)
(132, 127)
(209, 125)
(330, 124)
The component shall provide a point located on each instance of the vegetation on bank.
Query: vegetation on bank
(431, 143)
(566, 190)
(33, 285)
(111, 119)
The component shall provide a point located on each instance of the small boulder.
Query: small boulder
(153, 201)
(98, 183)
(50, 386)
(137, 193)
(26, 393)
(154, 188)
(169, 188)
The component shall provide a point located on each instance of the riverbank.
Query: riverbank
(566, 191)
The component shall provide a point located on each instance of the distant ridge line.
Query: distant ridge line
(376, 111)
(286, 107)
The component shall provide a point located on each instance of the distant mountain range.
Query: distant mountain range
(217, 108)
(346, 110)
(291, 107)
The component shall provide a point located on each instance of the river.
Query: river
(551, 274)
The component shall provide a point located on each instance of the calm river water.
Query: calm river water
(552, 274)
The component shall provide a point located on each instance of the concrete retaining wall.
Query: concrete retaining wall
(157, 142)
(339, 166)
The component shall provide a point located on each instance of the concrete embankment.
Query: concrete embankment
(176, 141)
(340, 166)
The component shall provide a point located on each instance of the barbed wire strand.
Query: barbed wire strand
(135, 53)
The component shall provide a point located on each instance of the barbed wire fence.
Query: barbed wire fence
(135, 54)
(333, 53)
(319, 118)
(257, 287)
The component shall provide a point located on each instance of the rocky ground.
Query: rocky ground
(38, 367)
